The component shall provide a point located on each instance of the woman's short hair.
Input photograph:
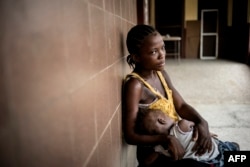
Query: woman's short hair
(135, 39)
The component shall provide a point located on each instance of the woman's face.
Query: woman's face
(152, 53)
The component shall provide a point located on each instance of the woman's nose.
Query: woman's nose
(162, 54)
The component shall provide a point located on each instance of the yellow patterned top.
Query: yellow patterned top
(162, 103)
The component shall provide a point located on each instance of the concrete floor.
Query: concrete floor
(220, 91)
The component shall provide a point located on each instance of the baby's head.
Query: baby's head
(154, 121)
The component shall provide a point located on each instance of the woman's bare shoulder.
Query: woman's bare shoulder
(132, 83)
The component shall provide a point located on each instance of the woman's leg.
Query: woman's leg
(146, 158)
(163, 161)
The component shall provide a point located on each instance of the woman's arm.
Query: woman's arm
(131, 97)
(186, 111)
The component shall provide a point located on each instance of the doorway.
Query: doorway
(209, 34)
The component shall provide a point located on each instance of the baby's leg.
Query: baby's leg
(185, 125)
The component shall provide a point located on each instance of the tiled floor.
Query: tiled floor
(220, 91)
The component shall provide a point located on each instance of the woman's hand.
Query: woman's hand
(213, 135)
(175, 148)
(203, 142)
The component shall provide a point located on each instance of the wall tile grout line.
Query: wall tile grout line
(102, 134)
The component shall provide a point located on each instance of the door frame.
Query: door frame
(209, 34)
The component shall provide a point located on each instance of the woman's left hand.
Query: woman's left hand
(203, 143)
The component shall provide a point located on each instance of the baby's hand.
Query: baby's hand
(175, 148)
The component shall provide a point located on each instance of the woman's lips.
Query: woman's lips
(161, 64)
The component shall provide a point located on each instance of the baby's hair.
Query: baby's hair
(135, 39)
(142, 127)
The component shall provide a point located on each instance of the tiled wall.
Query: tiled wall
(61, 69)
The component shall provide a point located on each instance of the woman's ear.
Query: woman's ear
(135, 58)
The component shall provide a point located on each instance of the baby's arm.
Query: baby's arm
(185, 125)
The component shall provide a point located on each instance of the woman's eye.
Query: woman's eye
(154, 52)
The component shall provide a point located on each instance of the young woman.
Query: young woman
(149, 86)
